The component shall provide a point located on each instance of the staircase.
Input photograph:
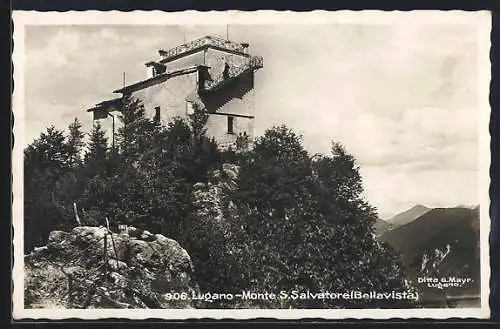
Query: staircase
(235, 72)
(255, 63)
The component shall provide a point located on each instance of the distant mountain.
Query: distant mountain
(381, 226)
(441, 243)
(407, 216)
(467, 206)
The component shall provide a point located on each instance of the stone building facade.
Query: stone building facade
(214, 74)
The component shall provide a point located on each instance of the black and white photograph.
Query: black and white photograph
(251, 164)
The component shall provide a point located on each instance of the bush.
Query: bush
(288, 221)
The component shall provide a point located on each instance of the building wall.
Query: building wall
(170, 96)
(215, 60)
(210, 57)
(197, 58)
(217, 128)
(237, 97)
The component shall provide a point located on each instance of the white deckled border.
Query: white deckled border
(480, 19)
(484, 156)
(260, 17)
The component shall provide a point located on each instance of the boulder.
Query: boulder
(138, 270)
(231, 170)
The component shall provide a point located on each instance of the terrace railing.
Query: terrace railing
(198, 43)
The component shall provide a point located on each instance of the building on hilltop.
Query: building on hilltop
(216, 75)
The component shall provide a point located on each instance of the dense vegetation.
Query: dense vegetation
(293, 221)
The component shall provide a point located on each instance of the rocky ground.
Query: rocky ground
(140, 268)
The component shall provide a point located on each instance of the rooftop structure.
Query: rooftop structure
(215, 74)
(201, 44)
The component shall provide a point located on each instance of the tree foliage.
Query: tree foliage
(307, 225)
(51, 178)
(291, 221)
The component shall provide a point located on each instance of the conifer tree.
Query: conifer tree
(136, 132)
(95, 157)
(46, 161)
(75, 142)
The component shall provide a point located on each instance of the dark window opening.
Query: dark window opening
(225, 73)
(157, 114)
(230, 123)
(160, 70)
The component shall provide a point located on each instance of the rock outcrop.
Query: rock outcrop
(211, 205)
(140, 270)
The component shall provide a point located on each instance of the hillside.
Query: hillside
(442, 243)
(381, 226)
(409, 215)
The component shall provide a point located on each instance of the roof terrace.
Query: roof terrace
(202, 43)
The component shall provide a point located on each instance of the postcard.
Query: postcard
(243, 165)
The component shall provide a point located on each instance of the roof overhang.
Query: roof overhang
(103, 109)
(158, 79)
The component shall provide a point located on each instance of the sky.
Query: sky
(403, 99)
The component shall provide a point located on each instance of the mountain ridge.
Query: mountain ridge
(443, 242)
(408, 216)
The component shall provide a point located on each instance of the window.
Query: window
(225, 73)
(157, 114)
(230, 123)
(189, 108)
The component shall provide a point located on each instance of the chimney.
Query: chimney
(245, 47)
(150, 71)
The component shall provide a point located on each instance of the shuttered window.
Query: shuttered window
(157, 114)
(230, 125)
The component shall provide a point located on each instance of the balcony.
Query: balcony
(256, 62)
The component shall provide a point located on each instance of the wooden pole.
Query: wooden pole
(113, 243)
(106, 257)
(76, 214)
(70, 291)
(113, 141)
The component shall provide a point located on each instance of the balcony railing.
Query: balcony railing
(198, 43)
(256, 62)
